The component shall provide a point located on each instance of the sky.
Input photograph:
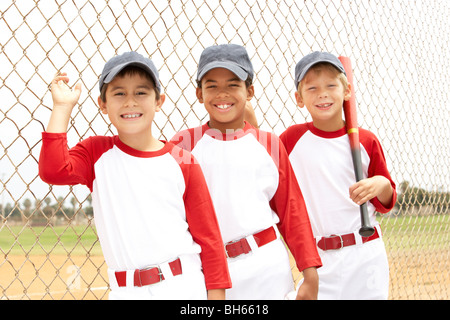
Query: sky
(399, 52)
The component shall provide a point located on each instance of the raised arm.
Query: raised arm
(58, 165)
(64, 99)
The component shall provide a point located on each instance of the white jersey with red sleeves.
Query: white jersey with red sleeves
(323, 166)
(149, 207)
(252, 186)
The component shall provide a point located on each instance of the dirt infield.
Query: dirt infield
(55, 277)
(60, 277)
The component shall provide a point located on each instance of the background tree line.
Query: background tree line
(411, 198)
(42, 212)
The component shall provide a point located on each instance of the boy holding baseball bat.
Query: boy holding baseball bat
(251, 182)
(354, 267)
(153, 212)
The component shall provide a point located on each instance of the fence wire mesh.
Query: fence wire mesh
(400, 55)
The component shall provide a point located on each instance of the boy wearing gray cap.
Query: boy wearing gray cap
(251, 183)
(354, 267)
(153, 212)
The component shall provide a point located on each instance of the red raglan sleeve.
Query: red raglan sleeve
(377, 166)
(290, 207)
(60, 166)
(203, 225)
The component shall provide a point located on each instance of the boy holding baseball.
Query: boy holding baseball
(354, 267)
(153, 212)
(251, 183)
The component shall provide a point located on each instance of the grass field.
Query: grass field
(413, 232)
(77, 240)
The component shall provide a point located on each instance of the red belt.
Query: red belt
(337, 242)
(241, 246)
(148, 276)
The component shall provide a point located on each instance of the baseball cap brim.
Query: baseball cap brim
(309, 66)
(116, 70)
(311, 60)
(237, 70)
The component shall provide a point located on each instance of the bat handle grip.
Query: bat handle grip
(366, 229)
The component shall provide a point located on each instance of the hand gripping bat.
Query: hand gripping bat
(351, 123)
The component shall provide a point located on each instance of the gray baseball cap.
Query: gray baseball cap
(312, 59)
(118, 63)
(229, 56)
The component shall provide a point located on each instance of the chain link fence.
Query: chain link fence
(400, 55)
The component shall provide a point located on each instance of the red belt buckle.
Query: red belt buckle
(148, 276)
(241, 246)
(333, 242)
(236, 248)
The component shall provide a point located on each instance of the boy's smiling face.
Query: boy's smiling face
(323, 94)
(131, 104)
(224, 96)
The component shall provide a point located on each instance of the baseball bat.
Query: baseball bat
(351, 123)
